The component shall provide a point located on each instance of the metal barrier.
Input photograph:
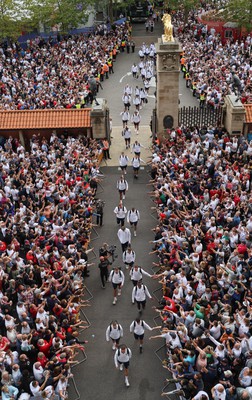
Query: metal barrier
(89, 293)
(155, 291)
(94, 231)
(158, 350)
(75, 388)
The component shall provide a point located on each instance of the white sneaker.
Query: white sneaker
(121, 367)
(127, 267)
(123, 197)
(114, 346)
(134, 233)
(114, 301)
(127, 382)
(119, 292)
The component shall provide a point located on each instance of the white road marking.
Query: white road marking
(153, 81)
(124, 76)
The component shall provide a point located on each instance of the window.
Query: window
(228, 34)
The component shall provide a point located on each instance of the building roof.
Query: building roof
(230, 24)
(248, 114)
(45, 119)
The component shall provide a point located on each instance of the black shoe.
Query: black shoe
(140, 349)
(97, 104)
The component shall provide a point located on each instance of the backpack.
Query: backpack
(114, 273)
(143, 287)
(132, 269)
(119, 351)
(142, 323)
(110, 326)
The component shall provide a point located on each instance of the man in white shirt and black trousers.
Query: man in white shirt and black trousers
(121, 359)
(133, 217)
(136, 274)
(129, 257)
(122, 186)
(116, 277)
(139, 294)
(124, 235)
(114, 332)
(138, 327)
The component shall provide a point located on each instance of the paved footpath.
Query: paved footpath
(97, 377)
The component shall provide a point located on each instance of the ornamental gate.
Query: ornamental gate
(196, 116)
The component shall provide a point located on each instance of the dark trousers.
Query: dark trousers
(141, 303)
(124, 246)
(120, 221)
(99, 219)
(104, 275)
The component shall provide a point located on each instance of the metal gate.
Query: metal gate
(196, 116)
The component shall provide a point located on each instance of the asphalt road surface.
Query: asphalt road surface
(97, 378)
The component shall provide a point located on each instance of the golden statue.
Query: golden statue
(168, 37)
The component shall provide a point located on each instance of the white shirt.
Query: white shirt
(116, 277)
(137, 274)
(123, 160)
(122, 357)
(139, 293)
(133, 216)
(124, 235)
(120, 212)
(122, 184)
(114, 333)
(138, 328)
(129, 256)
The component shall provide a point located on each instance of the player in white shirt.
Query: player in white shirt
(116, 277)
(123, 162)
(139, 294)
(136, 274)
(121, 359)
(114, 332)
(138, 327)
(133, 217)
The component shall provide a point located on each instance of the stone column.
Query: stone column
(98, 119)
(234, 115)
(167, 96)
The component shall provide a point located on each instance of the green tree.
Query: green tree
(185, 5)
(67, 14)
(10, 19)
(239, 11)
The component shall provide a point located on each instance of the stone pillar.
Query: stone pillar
(234, 115)
(98, 117)
(168, 69)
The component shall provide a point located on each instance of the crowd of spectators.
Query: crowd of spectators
(47, 198)
(209, 65)
(203, 239)
(56, 75)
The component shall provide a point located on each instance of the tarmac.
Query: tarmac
(96, 377)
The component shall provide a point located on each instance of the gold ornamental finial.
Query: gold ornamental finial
(168, 28)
